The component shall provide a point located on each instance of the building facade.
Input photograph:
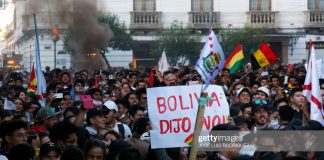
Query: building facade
(290, 24)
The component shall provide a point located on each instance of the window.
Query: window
(144, 5)
(316, 5)
(260, 5)
(202, 5)
(2, 4)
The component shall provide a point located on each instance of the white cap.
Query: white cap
(111, 105)
(265, 73)
(264, 90)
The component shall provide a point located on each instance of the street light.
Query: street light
(55, 38)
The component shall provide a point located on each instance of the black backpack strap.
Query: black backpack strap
(121, 130)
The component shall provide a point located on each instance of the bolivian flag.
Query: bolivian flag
(264, 56)
(236, 60)
(32, 89)
(189, 140)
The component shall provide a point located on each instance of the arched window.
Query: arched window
(202, 5)
(315, 5)
(260, 5)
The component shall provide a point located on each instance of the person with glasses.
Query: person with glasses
(142, 97)
(260, 114)
(64, 134)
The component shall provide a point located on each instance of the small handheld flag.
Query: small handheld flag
(264, 56)
(32, 89)
(211, 59)
(236, 60)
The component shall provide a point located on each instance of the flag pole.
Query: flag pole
(198, 127)
(200, 114)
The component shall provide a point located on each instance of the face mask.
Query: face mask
(248, 150)
(86, 88)
(24, 85)
(274, 123)
(145, 136)
(97, 103)
(308, 144)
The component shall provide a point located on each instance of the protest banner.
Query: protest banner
(173, 110)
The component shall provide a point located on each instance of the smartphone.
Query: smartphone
(58, 95)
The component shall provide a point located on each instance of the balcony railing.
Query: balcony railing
(145, 20)
(262, 19)
(314, 19)
(203, 19)
(43, 20)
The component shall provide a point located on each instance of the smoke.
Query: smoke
(86, 37)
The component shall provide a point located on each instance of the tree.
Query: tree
(250, 38)
(121, 40)
(179, 43)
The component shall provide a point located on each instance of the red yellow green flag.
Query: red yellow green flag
(189, 140)
(264, 56)
(236, 60)
(32, 89)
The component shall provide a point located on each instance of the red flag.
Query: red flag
(151, 79)
(291, 68)
(96, 84)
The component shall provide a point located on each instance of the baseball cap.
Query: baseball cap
(47, 147)
(265, 73)
(111, 105)
(46, 112)
(292, 91)
(265, 90)
(241, 90)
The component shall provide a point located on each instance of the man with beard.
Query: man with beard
(260, 114)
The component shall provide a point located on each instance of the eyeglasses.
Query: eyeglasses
(258, 101)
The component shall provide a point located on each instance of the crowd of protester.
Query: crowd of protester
(118, 126)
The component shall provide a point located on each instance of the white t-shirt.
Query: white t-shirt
(128, 132)
(3, 157)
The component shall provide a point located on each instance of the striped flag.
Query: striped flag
(312, 89)
(41, 82)
(264, 56)
(236, 60)
(32, 89)
(211, 60)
